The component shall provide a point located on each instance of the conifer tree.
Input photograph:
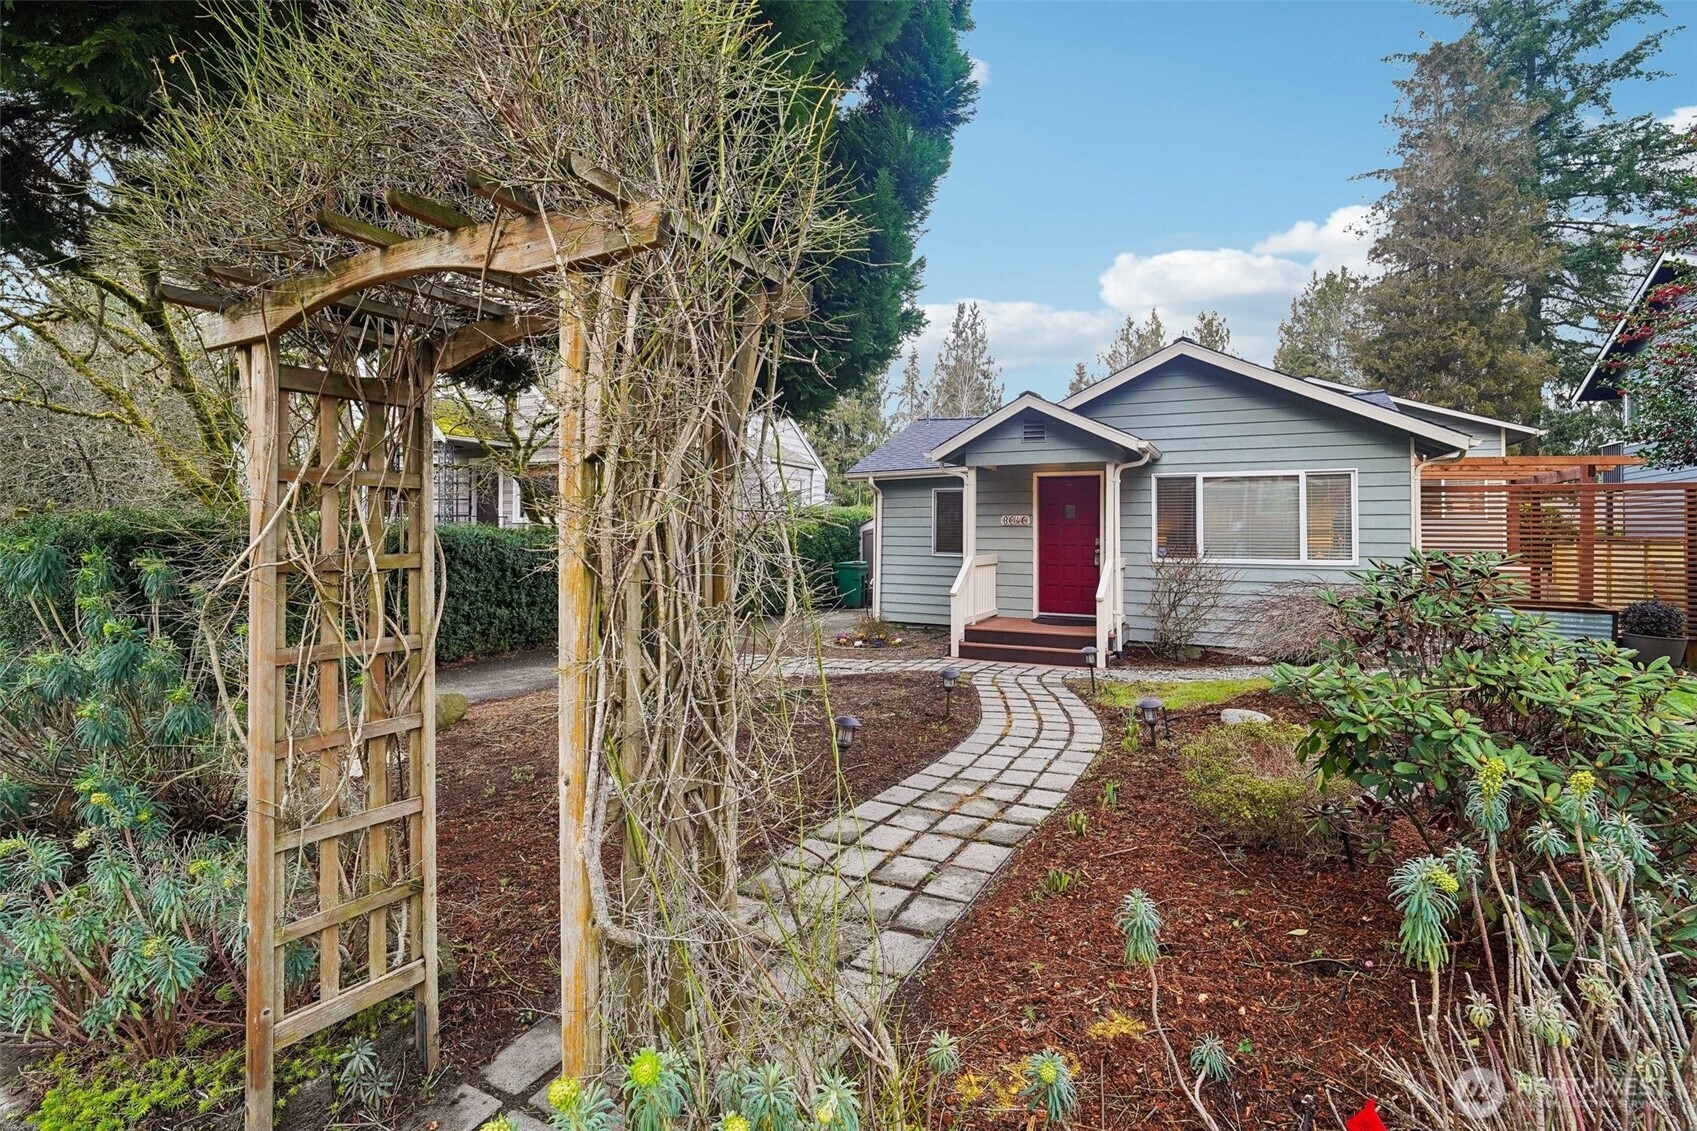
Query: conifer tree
(1460, 236)
(966, 379)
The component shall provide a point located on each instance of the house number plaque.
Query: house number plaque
(1016, 520)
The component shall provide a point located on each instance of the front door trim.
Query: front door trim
(1037, 526)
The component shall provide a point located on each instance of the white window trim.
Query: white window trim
(935, 491)
(1301, 516)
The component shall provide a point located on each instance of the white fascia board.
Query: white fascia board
(1055, 412)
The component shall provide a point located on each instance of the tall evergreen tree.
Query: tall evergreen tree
(1132, 342)
(964, 381)
(912, 89)
(913, 395)
(1211, 331)
(1460, 237)
(1600, 176)
(1325, 324)
(845, 432)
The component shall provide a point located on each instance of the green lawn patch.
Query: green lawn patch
(1684, 700)
(1179, 695)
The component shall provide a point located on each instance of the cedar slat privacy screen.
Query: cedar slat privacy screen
(1257, 517)
(947, 535)
(1602, 544)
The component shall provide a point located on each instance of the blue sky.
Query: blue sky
(1182, 155)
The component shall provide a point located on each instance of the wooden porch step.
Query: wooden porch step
(1029, 634)
(1021, 654)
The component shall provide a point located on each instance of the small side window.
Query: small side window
(948, 527)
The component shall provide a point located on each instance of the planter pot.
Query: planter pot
(1669, 648)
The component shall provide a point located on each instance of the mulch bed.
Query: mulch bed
(1292, 956)
(497, 814)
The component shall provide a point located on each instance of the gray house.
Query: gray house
(1035, 531)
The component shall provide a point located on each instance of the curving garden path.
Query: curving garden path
(861, 902)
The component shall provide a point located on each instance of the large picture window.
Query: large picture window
(948, 526)
(1285, 516)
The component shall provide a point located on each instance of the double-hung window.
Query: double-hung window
(948, 521)
(1292, 517)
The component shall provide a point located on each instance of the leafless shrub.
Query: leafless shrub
(1288, 622)
(1187, 594)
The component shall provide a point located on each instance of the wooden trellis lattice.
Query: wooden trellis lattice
(342, 587)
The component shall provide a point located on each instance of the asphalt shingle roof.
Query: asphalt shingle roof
(1378, 397)
(905, 451)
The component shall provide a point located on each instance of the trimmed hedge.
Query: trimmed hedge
(195, 544)
(502, 590)
(824, 536)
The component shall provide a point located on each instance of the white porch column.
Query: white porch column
(969, 514)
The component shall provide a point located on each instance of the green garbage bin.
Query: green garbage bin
(851, 584)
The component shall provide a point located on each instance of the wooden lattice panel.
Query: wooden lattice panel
(341, 737)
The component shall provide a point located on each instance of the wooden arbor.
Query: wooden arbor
(339, 366)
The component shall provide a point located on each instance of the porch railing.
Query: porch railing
(972, 597)
(1107, 620)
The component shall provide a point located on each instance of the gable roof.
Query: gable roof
(1035, 403)
(1597, 386)
(1380, 397)
(1184, 347)
(905, 451)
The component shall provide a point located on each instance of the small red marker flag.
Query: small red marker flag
(1367, 1119)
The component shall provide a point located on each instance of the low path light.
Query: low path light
(1152, 713)
(951, 677)
(1089, 651)
(846, 726)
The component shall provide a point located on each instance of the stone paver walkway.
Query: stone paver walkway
(868, 895)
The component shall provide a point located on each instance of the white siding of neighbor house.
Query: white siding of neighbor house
(913, 582)
(1207, 420)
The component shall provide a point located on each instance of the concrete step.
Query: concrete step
(1034, 636)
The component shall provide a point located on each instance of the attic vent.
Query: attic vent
(1035, 432)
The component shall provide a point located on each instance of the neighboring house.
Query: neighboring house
(1602, 384)
(471, 488)
(789, 467)
(1061, 511)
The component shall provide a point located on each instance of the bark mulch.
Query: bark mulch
(497, 819)
(1290, 961)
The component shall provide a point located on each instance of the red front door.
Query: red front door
(1069, 533)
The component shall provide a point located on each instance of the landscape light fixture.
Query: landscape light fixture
(951, 677)
(1153, 714)
(846, 725)
(1089, 651)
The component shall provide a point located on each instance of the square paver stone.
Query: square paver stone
(1003, 832)
(885, 900)
(533, 1055)
(1024, 814)
(464, 1109)
(928, 915)
(1047, 797)
(934, 846)
(905, 871)
(960, 884)
(959, 824)
(894, 953)
(916, 820)
(869, 811)
(885, 836)
(983, 857)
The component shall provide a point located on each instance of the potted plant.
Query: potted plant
(1652, 629)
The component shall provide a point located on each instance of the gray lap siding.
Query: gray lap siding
(913, 582)
(1204, 421)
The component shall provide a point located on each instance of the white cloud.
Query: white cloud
(1342, 241)
(1682, 119)
(980, 72)
(1038, 344)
